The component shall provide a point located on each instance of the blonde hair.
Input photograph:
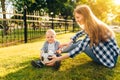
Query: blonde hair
(50, 31)
(96, 29)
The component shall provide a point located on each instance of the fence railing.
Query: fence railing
(12, 30)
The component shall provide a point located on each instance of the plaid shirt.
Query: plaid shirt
(105, 52)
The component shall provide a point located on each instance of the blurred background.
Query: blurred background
(26, 20)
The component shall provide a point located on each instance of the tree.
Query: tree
(4, 16)
(100, 8)
(63, 7)
(55, 6)
(32, 5)
(3, 8)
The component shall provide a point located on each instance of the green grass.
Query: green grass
(15, 64)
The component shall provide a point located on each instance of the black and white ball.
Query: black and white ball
(45, 57)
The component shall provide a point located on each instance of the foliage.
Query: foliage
(63, 7)
(31, 5)
(60, 7)
(102, 11)
(102, 8)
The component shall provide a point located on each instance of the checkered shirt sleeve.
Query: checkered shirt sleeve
(80, 46)
(77, 35)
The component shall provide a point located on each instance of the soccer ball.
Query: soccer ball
(44, 56)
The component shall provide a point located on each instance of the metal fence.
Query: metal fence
(24, 28)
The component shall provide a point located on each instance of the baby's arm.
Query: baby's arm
(41, 52)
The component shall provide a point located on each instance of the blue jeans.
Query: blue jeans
(88, 51)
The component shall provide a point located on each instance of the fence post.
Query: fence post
(73, 23)
(65, 18)
(52, 20)
(25, 24)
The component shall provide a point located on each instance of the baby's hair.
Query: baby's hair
(50, 31)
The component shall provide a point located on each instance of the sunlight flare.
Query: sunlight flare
(117, 2)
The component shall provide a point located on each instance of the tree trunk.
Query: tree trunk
(4, 16)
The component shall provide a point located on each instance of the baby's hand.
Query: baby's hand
(58, 51)
(61, 46)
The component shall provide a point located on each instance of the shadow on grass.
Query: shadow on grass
(91, 71)
(86, 71)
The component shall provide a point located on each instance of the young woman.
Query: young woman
(99, 42)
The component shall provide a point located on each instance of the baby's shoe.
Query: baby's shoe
(37, 64)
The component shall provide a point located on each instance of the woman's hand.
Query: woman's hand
(51, 62)
(54, 59)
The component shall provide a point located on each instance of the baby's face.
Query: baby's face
(50, 38)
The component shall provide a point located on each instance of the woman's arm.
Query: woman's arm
(77, 35)
(65, 44)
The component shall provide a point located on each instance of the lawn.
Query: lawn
(15, 64)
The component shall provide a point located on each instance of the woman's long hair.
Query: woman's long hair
(96, 29)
